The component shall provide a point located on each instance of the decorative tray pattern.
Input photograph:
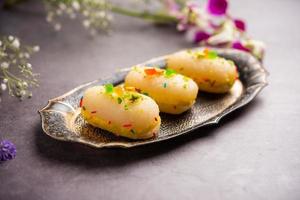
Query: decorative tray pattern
(61, 117)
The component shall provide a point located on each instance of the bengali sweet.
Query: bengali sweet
(121, 112)
(173, 92)
(211, 72)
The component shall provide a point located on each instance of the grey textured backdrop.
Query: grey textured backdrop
(252, 154)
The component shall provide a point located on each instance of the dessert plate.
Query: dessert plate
(61, 117)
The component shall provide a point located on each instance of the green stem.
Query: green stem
(153, 17)
(11, 76)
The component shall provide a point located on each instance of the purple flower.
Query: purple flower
(240, 24)
(217, 7)
(7, 150)
(238, 45)
(200, 36)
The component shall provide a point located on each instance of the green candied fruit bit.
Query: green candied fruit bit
(145, 93)
(164, 85)
(212, 55)
(170, 72)
(126, 107)
(109, 88)
(119, 100)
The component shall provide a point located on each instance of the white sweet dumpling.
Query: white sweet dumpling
(211, 72)
(124, 113)
(174, 93)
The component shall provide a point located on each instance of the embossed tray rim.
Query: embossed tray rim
(213, 120)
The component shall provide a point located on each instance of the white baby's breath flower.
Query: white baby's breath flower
(62, 6)
(69, 11)
(109, 16)
(26, 55)
(49, 17)
(3, 86)
(4, 65)
(16, 43)
(22, 93)
(29, 66)
(75, 5)
(0, 43)
(100, 14)
(86, 23)
(57, 27)
(20, 78)
(10, 38)
(94, 12)
(36, 48)
(85, 13)
(25, 84)
(3, 54)
(29, 94)
(19, 85)
(59, 12)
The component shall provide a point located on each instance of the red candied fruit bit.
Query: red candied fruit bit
(127, 125)
(150, 71)
(80, 104)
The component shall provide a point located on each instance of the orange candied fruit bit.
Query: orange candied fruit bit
(151, 71)
(119, 91)
(236, 73)
(206, 51)
(130, 88)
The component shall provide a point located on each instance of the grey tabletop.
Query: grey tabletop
(254, 153)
